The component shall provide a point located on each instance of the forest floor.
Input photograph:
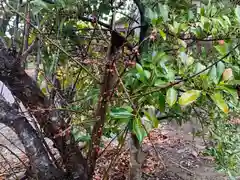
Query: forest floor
(179, 157)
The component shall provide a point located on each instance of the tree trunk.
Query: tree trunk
(26, 89)
(106, 90)
(136, 158)
(41, 166)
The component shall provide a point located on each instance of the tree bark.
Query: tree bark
(41, 166)
(137, 158)
(26, 89)
(105, 94)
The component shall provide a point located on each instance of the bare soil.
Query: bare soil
(179, 155)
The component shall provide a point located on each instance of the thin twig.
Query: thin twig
(25, 54)
(14, 154)
(9, 140)
(11, 168)
(102, 152)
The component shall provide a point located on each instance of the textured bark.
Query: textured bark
(136, 158)
(108, 82)
(41, 166)
(106, 89)
(26, 89)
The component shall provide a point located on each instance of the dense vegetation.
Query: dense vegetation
(97, 64)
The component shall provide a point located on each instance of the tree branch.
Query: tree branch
(106, 88)
(28, 51)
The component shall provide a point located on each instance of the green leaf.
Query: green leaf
(205, 23)
(183, 56)
(82, 138)
(75, 108)
(157, 56)
(159, 83)
(227, 19)
(79, 136)
(154, 122)
(202, 11)
(183, 43)
(164, 12)
(237, 12)
(141, 76)
(44, 90)
(39, 3)
(199, 67)
(190, 61)
(230, 90)
(104, 8)
(176, 26)
(139, 130)
(171, 96)
(170, 75)
(187, 60)
(163, 34)
(151, 14)
(120, 113)
(219, 101)
(213, 74)
(220, 69)
(147, 74)
(161, 103)
(189, 97)
(139, 68)
(190, 15)
(234, 82)
(172, 29)
(128, 108)
(222, 49)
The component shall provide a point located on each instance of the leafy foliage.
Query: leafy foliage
(191, 62)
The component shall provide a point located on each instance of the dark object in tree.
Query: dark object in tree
(144, 24)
